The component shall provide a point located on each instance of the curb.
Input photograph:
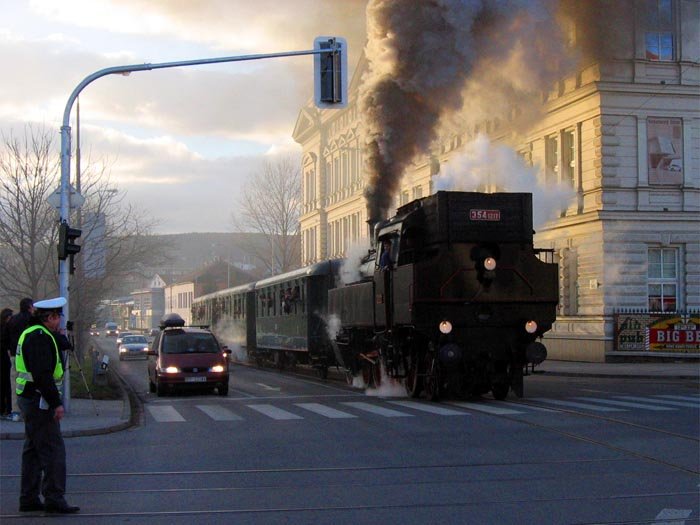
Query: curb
(127, 395)
(617, 376)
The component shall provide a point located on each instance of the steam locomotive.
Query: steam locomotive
(452, 299)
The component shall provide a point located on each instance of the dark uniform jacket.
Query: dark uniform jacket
(15, 326)
(39, 354)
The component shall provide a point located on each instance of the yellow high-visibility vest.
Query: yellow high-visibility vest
(23, 375)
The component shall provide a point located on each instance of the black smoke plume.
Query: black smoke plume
(425, 56)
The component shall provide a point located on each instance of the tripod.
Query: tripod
(71, 340)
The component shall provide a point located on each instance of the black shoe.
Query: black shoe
(31, 507)
(60, 509)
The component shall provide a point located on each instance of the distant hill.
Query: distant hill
(189, 252)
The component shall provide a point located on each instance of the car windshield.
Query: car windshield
(185, 343)
(134, 339)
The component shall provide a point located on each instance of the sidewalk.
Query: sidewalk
(104, 417)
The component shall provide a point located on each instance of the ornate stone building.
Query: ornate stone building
(623, 133)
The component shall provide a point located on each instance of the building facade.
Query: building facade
(622, 133)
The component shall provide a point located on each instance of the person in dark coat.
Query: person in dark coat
(15, 327)
(39, 379)
(5, 365)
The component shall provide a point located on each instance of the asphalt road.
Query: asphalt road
(294, 450)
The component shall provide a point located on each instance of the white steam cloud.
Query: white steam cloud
(486, 164)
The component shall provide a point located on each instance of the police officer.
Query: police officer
(39, 378)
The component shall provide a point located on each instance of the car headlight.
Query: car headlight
(490, 264)
(531, 327)
(217, 368)
(122, 350)
(170, 370)
(445, 327)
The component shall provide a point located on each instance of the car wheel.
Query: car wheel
(151, 386)
(160, 389)
(223, 390)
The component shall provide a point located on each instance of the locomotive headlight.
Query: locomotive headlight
(531, 327)
(490, 263)
(445, 327)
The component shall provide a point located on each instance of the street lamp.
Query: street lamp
(325, 47)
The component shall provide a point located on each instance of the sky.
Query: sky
(179, 143)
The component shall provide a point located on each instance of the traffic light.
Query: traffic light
(331, 72)
(66, 241)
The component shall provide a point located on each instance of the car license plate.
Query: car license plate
(197, 379)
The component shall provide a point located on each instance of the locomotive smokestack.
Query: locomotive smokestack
(371, 226)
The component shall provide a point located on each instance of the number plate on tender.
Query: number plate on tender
(197, 379)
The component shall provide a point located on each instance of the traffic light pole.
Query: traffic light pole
(334, 47)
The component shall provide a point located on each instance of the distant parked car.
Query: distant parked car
(133, 346)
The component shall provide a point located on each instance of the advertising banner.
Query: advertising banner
(657, 332)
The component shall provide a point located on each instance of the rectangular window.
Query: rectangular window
(659, 34)
(551, 159)
(662, 279)
(665, 150)
(568, 149)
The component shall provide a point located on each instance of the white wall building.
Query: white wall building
(622, 132)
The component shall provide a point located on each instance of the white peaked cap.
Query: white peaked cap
(51, 304)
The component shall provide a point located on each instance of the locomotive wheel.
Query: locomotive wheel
(414, 381)
(432, 379)
(500, 391)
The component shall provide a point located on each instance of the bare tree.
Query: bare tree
(28, 173)
(270, 204)
(115, 238)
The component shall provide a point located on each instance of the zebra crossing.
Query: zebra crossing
(403, 408)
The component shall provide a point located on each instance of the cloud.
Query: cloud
(179, 142)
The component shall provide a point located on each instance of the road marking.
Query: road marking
(219, 413)
(623, 403)
(374, 409)
(659, 401)
(677, 515)
(488, 408)
(523, 405)
(323, 410)
(433, 409)
(274, 412)
(573, 404)
(268, 387)
(165, 414)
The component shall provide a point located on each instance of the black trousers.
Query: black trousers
(43, 456)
